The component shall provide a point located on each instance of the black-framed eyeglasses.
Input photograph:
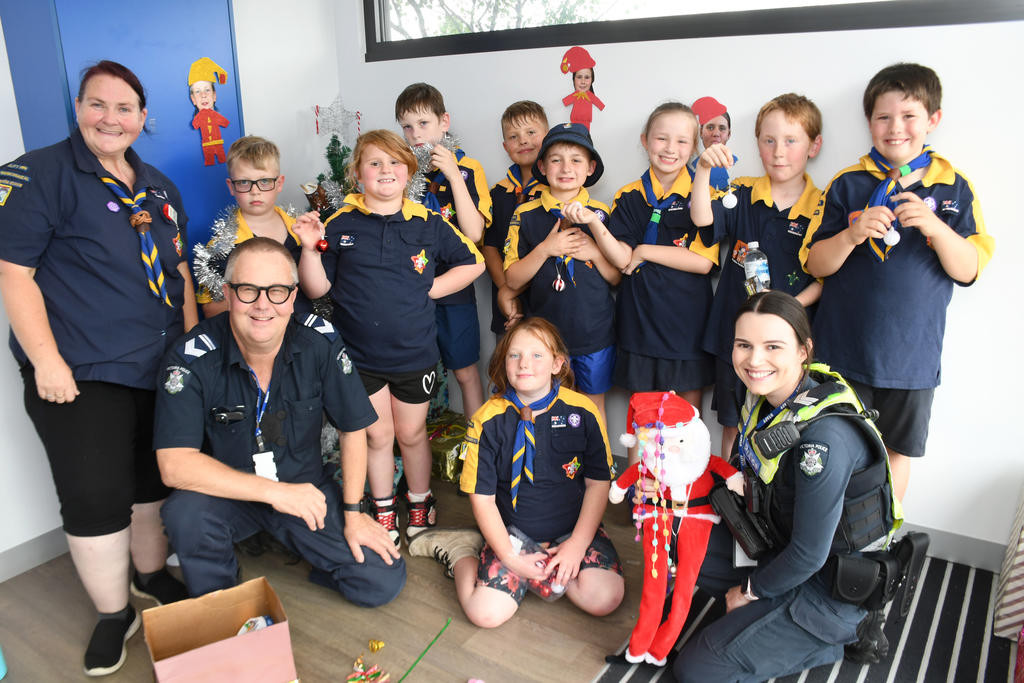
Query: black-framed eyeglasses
(244, 184)
(247, 294)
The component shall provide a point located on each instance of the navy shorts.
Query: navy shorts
(903, 416)
(594, 371)
(729, 394)
(458, 335)
(647, 373)
(418, 386)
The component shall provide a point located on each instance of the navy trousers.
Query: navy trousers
(203, 530)
(767, 638)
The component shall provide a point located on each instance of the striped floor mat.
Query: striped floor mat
(946, 637)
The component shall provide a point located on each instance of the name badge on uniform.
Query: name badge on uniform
(265, 465)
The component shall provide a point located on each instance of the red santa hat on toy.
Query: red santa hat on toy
(576, 58)
(656, 410)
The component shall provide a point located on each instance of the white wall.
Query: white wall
(287, 63)
(28, 502)
(970, 481)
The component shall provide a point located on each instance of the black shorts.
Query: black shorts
(100, 448)
(903, 416)
(636, 372)
(408, 387)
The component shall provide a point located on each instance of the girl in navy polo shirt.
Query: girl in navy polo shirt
(377, 258)
(537, 467)
(665, 297)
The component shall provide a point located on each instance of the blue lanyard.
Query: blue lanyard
(262, 400)
(746, 451)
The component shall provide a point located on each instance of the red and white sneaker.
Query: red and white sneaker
(387, 517)
(422, 516)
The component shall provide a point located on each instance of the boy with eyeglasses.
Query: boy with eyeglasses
(254, 180)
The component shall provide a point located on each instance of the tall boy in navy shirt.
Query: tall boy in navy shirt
(890, 244)
(523, 125)
(458, 191)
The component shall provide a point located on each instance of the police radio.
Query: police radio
(773, 440)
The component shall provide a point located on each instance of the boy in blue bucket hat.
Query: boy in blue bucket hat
(550, 254)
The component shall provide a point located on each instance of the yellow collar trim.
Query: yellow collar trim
(410, 208)
(940, 171)
(761, 191)
(549, 202)
(681, 186)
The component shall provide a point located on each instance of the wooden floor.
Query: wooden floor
(46, 620)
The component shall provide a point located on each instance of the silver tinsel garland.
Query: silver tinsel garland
(211, 258)
(418, 183)
(335, 197)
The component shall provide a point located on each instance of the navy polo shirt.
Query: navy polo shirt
(476, 183)
(882, 323)
(572, 446)
(205, 373)
(779, 234)
(584, 314)
(58, 217)
(503, 204)
(381, 269)
(661, 311)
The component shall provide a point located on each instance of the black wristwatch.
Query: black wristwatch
(361, 506)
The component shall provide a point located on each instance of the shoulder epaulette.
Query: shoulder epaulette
(197, 347)
(324, 327)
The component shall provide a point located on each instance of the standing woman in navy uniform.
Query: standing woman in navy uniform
(94, 278)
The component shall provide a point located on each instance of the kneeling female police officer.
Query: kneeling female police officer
(781, 616)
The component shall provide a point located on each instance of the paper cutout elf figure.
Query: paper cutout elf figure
(583, 99)
(203, 76)
(675, 452)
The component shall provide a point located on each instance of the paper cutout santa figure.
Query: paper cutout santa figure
(203, 77)
(675, 452)
(582, 100)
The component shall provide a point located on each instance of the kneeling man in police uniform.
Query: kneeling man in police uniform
(237, 433)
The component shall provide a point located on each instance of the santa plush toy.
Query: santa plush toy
(676, 462)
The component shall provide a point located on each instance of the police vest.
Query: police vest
(871, 513)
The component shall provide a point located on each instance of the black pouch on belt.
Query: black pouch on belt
(855, 578)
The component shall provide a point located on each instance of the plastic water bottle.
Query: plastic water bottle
(755, 268)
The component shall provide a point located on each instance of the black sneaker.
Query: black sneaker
(161, 588)
(106, 652)
(872, 647)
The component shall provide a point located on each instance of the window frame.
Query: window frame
(817, 18)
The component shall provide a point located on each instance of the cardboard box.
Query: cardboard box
(195, 640)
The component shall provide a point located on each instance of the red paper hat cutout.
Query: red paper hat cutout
(707, 108)
(644, 407)
(576, 58)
